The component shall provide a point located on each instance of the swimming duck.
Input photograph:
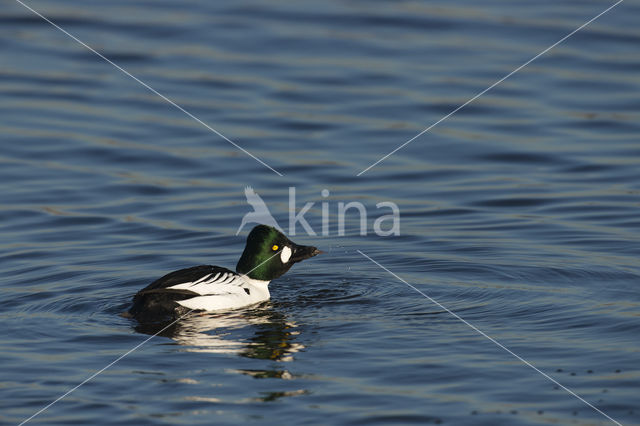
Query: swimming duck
(267, 255)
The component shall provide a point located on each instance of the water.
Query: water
(519, 213)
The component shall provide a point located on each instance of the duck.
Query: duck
(268, 254)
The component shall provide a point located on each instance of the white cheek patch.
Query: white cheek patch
(285, 254)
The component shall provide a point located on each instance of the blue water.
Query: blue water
(520, 213)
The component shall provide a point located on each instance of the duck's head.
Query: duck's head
(269, 254)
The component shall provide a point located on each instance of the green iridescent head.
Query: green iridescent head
(269, 254)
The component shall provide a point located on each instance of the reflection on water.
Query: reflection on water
(261, 333)
(520, 212)
(274, 396)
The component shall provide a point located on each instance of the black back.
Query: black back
(156, 302)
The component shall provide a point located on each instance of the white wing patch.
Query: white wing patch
(219, 302)
(213, 284)
(223, 290)
(285, 254)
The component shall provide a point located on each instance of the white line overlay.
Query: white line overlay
(495, 341)
(101, 370)
(149, 87)
(491, 87)
(124, 355)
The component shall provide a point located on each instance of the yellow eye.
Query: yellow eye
(274, 248)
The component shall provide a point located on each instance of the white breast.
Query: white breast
(223, 291)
